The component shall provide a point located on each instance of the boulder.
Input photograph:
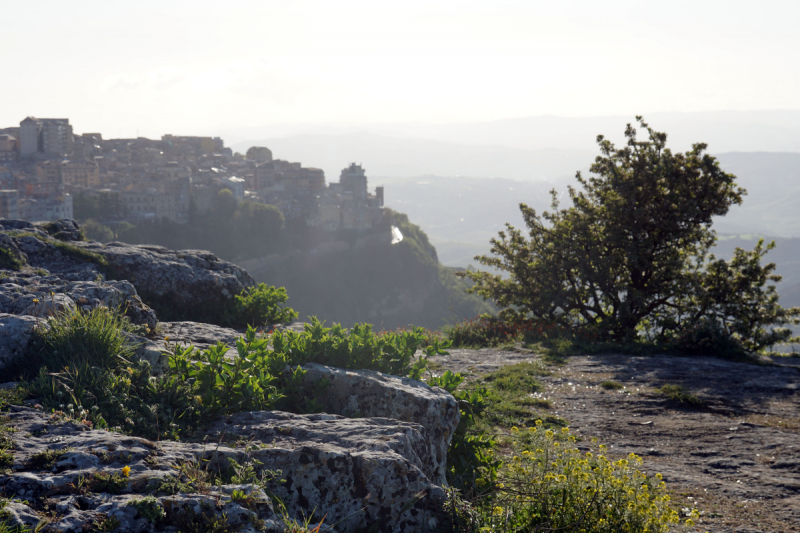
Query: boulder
(65, 229)
(179, 285)
(15, 333)
(367, 393)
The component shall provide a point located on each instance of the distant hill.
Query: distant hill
(772, 204)
(518, 148)
(460, 215)
(393, 157)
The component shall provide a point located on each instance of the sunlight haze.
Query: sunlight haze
(204, 68)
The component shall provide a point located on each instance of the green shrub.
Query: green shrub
(612, 385)
(9, 261)
(550, 485)
(708, 338)
(262, 305)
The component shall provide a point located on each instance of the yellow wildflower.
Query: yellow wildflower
(126, 471)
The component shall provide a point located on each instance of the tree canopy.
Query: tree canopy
(631, 255)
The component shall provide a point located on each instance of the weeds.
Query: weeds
(105, 523)
(676, 393)
(148, 508)
(113, 483)
(46, 459)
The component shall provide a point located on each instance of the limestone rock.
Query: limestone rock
(15, 333)
(180, 285)
(363, 471)
(65, 229)
(366, 393)
(42, 296)
(197, 334)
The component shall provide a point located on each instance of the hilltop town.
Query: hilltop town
(47, 172)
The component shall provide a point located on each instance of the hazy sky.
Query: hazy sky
(152, 67)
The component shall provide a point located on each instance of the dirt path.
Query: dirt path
(737, 458)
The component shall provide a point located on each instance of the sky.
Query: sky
(197, 68)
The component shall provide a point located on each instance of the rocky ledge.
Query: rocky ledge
(375, 459)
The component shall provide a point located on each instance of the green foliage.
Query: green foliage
(148, 508)
(630, 257)
(97, 232)
(612, 385)
(471, 462)
(262, 305)
(9, 261)
(357, 348)
(550, 485)
(220, 385)
(74, 337)
(734, 295)
(87, 372)
(711, 339)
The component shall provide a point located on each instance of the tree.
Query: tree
(632, 252)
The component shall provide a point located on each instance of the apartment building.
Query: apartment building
(45, 136)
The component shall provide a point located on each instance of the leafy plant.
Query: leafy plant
(612, 385)
(471, 462)
(262, 305)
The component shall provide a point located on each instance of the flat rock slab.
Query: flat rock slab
(737, 458)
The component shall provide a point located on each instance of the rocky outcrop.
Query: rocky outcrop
(375, 460)
(352, 471)
(366, 393)
(44, 295)
(179, 285)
